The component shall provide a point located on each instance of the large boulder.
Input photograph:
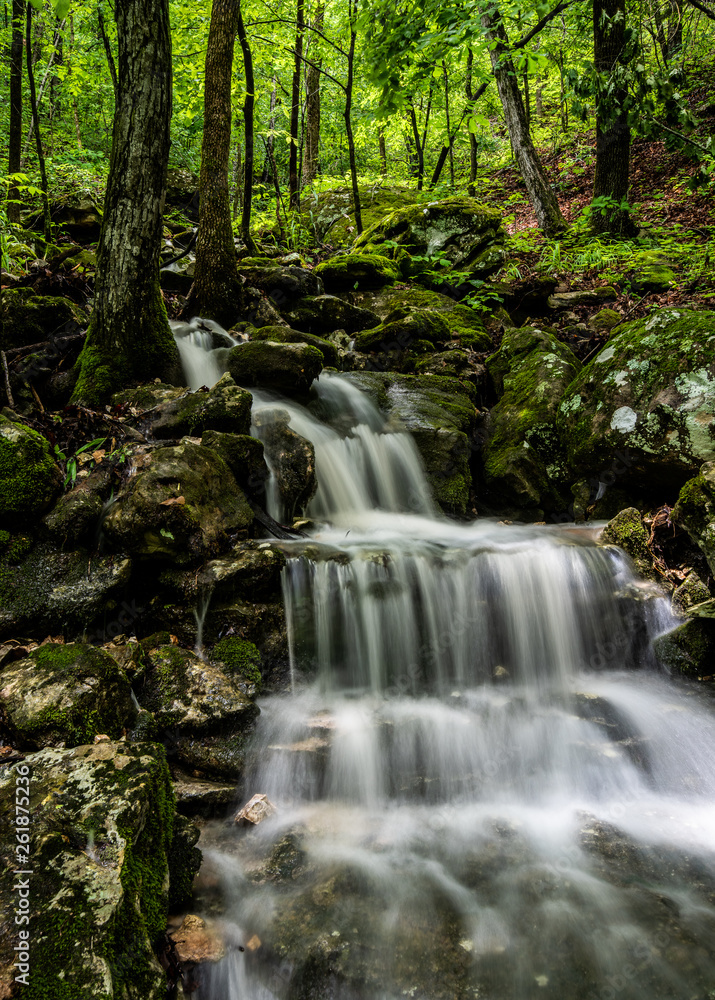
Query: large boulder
(225, 407)
(291, 459)
(468, 234)
(181, 504)
(285, 335)
(64, 695)
(357, 270)
(204, 711)
(523, 455)
(283, 285)
(649, 393)
(688, 649)
(243, 455)
(26, 318)
(101, 822)
(44, 590)
(627, 531)
(695, 511)
(323, 314)
(287, 368)
(439, 413)
(29, 477)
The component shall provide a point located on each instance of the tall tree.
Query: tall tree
(15, 137)
(541, 195)
(217, 289)
(36, 123)
(312, 98)
(613, 133)
(249, 103)
(293, 178)
(129, 337)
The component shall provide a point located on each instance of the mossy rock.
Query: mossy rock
(146, 397)
(291, 458)
(627, 531)
(283, 285)
(285, 335)
(64, 695)
(225, 407)
(451, 363)
(251, 570)
(240, 659)
(243, 455)
(439, 413)
(75, 520)
(649, 393)
(357, 270)
(329, 214)
(26, 318)
(184, 859)
(468, 233)
(102, 824)
(689, 649)
(324, 314)
(652, 273)
(287, 368)
(605, 320)
(402, 328)
(523, 454)
(695, 511)
(181, 506)
(191, 697)
(29, 477)
(44, 590)
(691, 592)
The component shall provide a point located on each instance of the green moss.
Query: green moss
(184, 861)
(29, 477)
(290, 368)
(284, 335)
(103, 368)
(241, 658)
(357, 270)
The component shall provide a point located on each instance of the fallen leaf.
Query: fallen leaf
(171, 501)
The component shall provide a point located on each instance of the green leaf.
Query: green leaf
(61, 7)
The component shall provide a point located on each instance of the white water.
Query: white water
(487, 786)
(203, 346)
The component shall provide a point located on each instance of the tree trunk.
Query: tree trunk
(419, 151)
(129, 337)
(613, 134)
(347, 115)
(35, 121)
(267, 172)
(107, 48)
(248, 135)
(293, 179)
(312, 104)
(383, 152)
(15, 137)
(217, 289)
(541, 196)
(450, 140)
(473, 150)
(237, 178)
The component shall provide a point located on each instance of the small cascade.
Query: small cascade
(203, 602)
(361, 464)
(484, 785)
(203, 346)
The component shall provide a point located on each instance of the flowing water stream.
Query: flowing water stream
(484, 784)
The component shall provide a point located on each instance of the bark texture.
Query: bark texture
(613, 134)
(129, 337)
(293, 179)
(217, 289)
(312, 101)
(541, 196)
(15, 137)
(248, 133)
(347, 115)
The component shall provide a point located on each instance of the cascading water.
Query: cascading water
(484, 785)
(203, 346)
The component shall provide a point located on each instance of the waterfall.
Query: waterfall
(361, 465)
(203, 346)
(484, 784)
